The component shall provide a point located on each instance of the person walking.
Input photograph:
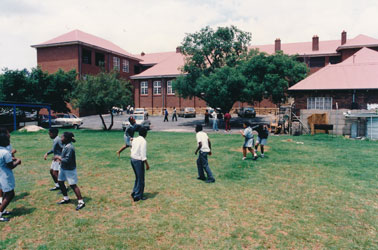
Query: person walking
(56, 150)
(262, 138)
(138, 161)
(227, 119)
(174, 115)
(129, 135)
(165, 115)
(215, 121)
(204, 148)
(248, 141)
(207, 115)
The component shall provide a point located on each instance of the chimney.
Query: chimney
(343, 37)
(277, 45)
(315, 43)
(142, 54)
(178, 49)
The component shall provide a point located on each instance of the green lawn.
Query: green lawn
(319, 194)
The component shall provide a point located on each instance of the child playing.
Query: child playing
(248, 141)
(57, 151)
(7, 163)
(262, 138)
(68, 171)
(204, 147)
(128, 136)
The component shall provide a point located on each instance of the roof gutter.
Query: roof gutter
(85, 44)
(155, 76)
(356, 46)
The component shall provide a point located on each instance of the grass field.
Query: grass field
(319, 193)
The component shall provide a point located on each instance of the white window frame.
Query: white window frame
(321, 103)
(116, 63)
(126, 66)
(170, 90)
(157, 87)
(144, 88)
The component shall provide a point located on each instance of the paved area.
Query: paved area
(182, 125)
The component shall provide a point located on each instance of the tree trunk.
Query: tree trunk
(103, 122)
(111, 120)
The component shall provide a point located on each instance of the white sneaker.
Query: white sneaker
(244, 158)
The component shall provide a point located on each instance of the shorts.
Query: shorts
(68, 175)
(127, 140)
(55, 165)
(248, 143)
(7, 182)
(262, 141)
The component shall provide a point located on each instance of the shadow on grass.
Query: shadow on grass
(20, 211)
(21, 196)
(151, 195)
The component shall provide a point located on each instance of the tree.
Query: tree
(270, 76)
(38, 86)
(101, 93)
(211, 71)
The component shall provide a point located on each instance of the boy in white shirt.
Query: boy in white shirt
(138, 160)
(204, 147)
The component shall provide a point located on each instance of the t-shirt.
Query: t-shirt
(248, 133)
(139, 149)
(68, 157)
(57, 146)
(9, 148)
(204, 139)
(263, 133)
(5, 158)
(130, 130)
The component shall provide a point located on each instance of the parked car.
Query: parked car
(141, 111)
(247, 112)
(44, 121)
(140, 119)
(187, 112)
(68, 120)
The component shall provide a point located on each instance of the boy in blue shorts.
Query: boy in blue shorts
(57, 151)
(7, 163)
(247, 133)
(68, 171)
(262, 138)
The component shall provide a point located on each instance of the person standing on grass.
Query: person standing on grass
(174, 116)
(68, 171)
(204, 148)
(248, 141)
(262, 138)
(227, 119)
(165, 115)
(128, 136)
(57, 151)
(215, 121)
(138, 161)
(7, 182)
(11, 150)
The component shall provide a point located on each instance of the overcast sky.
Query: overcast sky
(160, 25)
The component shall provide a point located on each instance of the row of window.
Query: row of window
(157, 88)
(100, 60)
(315, 62)
(319, 103)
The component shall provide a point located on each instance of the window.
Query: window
(334, 59)
(100, 59)
(170, 90)
(157, 87)
(144, 88)
(86, 56)
(317, 62)
(116, 63)
(125, 66)
(319, 103)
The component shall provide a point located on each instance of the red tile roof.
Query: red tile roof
(360, 41)
(77, 36)
(360, 71)
(169, 65)
(154, 58)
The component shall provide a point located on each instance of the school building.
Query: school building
(152, 73)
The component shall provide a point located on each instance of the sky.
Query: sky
(160, 25)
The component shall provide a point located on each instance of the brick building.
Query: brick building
(152, 74)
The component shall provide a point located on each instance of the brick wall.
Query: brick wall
(50, 59)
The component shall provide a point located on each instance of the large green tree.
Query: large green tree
(270, 76)
(211, 71)
(37, 86)
(101, 93)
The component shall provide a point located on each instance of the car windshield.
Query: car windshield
(249, 109)
(190, 109)
(139, 117)
(139, 110)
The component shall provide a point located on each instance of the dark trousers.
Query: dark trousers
(138, 167)
(202, 164)
(228, 127)
(165, 118)
(174, 116)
